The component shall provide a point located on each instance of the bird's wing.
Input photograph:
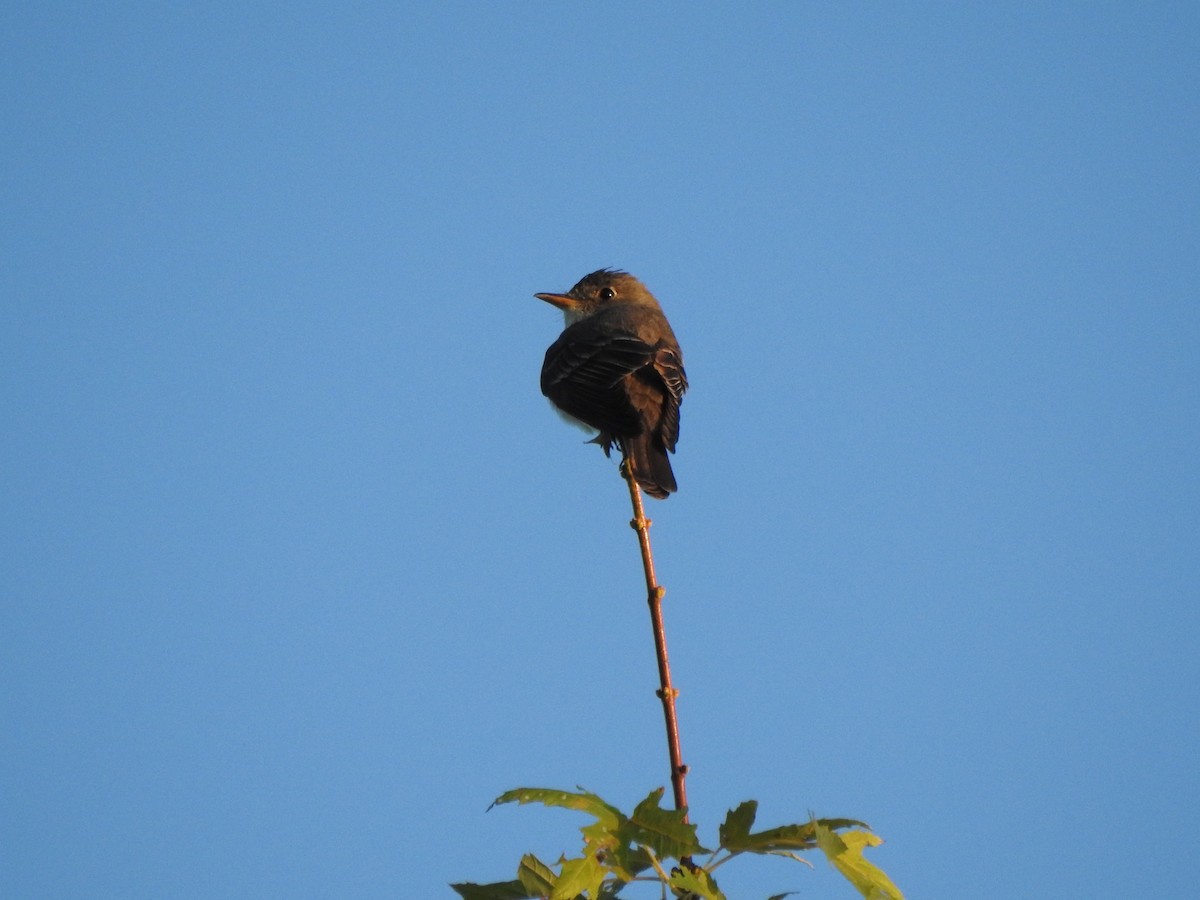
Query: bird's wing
(669, 366)
(582, 371)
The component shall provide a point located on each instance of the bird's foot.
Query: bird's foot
(605, 440)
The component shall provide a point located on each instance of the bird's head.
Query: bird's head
(597, 291)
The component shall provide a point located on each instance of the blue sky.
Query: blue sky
(298, 570)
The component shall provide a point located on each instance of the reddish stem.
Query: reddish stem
(666, 693)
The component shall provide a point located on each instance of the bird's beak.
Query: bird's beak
(562, 301)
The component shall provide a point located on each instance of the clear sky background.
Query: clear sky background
(299, 570)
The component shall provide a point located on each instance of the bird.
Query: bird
(617, 368)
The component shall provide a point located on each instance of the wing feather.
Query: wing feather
(583, 372)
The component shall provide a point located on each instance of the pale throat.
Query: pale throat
(573, 315)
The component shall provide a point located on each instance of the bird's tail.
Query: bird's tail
(649, 465)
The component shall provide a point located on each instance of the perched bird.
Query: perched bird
(618, 369)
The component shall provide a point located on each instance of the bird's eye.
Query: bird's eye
(607, 293)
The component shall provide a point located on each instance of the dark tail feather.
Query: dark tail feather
(650, 467)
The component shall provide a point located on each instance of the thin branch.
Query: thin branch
(654, 596)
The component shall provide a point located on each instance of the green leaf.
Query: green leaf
(537, 877)
(665, 831)
(695, 882)
(599, 836)
(736, 828)
(626, 861)
(500, 890)
(578, 876)
(845, 851)
(608, 816)
(781, 896)
(789, 837)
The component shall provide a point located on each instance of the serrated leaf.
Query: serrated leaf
(537, 877)
(626, 862)
(845, 851)
(578, 876)
(599, 836)
(665, 831)
(500, 890)
(584, 801)
(736, 827)
(790, 837)
(695, 882)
